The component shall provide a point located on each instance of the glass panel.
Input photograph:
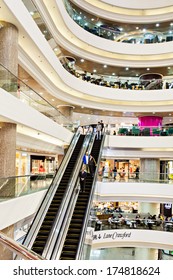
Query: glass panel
(21, 185)
(19, 89)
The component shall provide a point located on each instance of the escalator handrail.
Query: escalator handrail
(59, 219)
(55, 254)
(18, 249)
(87, 213)
(41, 213)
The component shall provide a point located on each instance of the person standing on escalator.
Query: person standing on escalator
(82, 176)
(92, 165)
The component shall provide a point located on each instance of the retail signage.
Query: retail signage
(111, 235)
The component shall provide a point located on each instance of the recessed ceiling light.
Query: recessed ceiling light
(169, 67)
(127, 68)
(94, 70)
(157, 24)
(137, 75)
(82, 60)
(53, 99)
(113, 74)
(105, 66)
(148, 69)
(137, 27)
(169, 114)
(92, 19)
(171, 24)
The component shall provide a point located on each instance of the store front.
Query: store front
(125, 168)
(42, 165)
(22, 163)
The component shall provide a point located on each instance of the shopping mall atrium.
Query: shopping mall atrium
(82, 79)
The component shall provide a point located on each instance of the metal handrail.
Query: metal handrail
(18, 249)
(49, 196)
(69, 212)
(56, 228)
(85, 224)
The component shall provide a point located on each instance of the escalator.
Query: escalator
(74, 232)
(43, 234)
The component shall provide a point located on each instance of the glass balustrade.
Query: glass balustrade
(27, 95)
(128, 83)
(135, 130)
(112, 31)
(12, 187)
(132, 177)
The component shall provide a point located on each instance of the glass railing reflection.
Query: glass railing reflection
(27, 95)
(135, 130)
(12, 187)
(112, 81)
(135, 177)
(115, 33)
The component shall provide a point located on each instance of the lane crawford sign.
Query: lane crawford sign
(113, 235)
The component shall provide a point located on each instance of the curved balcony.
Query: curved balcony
(126, 11)
(104, 51)
(77, 91)
(135, 4)
(121, 32)
(147, 81)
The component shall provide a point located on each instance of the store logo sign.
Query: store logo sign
(111, 235)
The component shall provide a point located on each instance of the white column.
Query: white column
(152, 208)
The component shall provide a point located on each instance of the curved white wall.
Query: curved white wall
(123, 14)
(111, 46)
(152, 142)
(132, 238)
(136, 4)
(16, 209)
(136, 191)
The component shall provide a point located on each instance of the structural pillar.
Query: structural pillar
(152, 208)
(7, 157)
(9, 46)
(9, 59)
(67, 113)
(150, 169)
(5, 253)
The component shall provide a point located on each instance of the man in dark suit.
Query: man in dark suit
(92, 165)
(82, 176)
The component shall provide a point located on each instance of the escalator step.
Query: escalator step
(68, 253)
(70, 247)
(71, 241)
(74, 230)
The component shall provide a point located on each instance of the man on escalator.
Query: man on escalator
(82, 176)
(92, 165)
